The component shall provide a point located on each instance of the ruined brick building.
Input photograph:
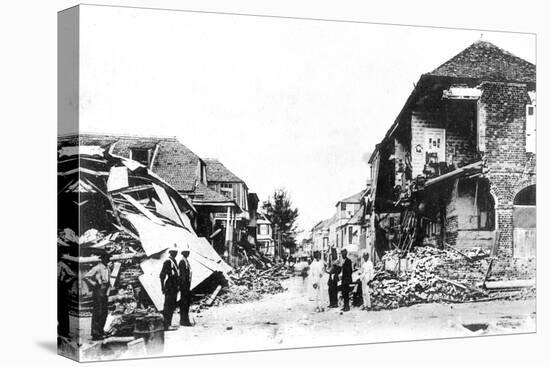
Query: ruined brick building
(458, 165)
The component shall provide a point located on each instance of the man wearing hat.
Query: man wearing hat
(169, 282)
(185, 286)
(334, 271)
(347, 270)
(98, 278)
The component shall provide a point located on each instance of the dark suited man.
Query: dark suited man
(169, 281)
(347, 270)
(185, 287)
(333, 279)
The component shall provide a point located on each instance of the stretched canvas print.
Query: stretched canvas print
(234, 183)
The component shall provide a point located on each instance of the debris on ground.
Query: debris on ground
(249, 283)
(427, 274)
(513, 294)
(124, 324)
(130, 213)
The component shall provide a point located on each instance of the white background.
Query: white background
(28, 113)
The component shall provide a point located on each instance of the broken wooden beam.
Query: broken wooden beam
(488, 272)
(454, 283)
(213, 296)
(459, 252)
(505, 284)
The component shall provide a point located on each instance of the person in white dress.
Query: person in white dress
(316, 271)
(366, 274)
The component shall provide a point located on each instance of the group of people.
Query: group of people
(339, 270)
(176, 278)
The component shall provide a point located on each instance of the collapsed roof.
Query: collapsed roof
(99, 191)
(173, 161)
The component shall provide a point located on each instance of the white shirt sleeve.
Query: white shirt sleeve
(369, 270)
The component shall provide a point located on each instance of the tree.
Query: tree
(279, 211)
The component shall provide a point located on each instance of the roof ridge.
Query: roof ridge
(485, 60)
(216, 171)
(120, 136)
(350, 197)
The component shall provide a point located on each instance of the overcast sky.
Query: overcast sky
(281, 102)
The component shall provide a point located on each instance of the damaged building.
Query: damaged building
(111, 204)
(457, 168)
(348, 228)
(224, 211)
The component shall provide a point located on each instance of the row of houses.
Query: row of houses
(346, 228)
(221, 207)
(456, 168)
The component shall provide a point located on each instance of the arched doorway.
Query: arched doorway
(524, 222)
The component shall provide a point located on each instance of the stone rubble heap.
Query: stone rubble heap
(405, 279)
(249, 283)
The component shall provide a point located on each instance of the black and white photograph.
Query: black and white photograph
(274, 183)
(231, 182)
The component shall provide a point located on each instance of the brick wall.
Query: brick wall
(511, 168)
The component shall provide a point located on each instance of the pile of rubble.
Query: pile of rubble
(414, 277)
(130, 213)
(427, 274)
(514, 294)
(392, 291)
(124, 324)
(249, 283)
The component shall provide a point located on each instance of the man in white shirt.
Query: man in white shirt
(366, 275)
(316, 271)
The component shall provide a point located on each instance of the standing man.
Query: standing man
(65, 276)
(316, 273)
(169, 282)
(347, 270)
(366, 275)
(98, 278)
(185, 287)
(333, 279)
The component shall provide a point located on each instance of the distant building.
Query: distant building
(347, 228)
(350, 220)
(264, 236)
(320, 235)
(306, 247)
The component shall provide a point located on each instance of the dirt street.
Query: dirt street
(288, 320)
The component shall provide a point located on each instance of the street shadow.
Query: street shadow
(49, 346)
